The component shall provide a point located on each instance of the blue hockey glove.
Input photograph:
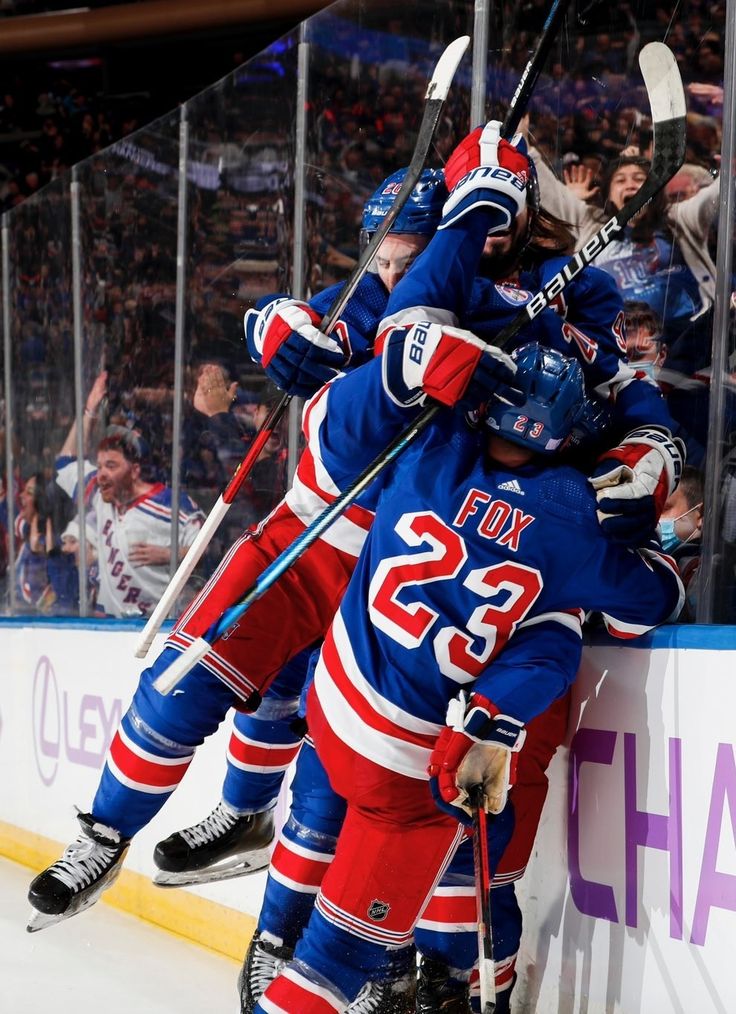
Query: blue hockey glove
(452, 366)
(285, 338)
(486, 171)
(634, 480)
(480, 746)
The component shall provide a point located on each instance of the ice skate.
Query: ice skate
(395, 997)
(263, 962)
(222, 846)
(437, 993)
(88, 866)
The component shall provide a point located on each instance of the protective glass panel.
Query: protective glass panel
(362, 72)
(4, 499)
(590, 129)
(128, 234)
(40, 310)
(367, 78)
(241, 136)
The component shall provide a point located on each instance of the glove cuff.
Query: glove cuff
(483, 722)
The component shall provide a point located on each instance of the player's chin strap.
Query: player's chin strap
(435, 96)
(667, 99)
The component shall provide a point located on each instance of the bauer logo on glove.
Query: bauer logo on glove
(487, 172)
(450, 365)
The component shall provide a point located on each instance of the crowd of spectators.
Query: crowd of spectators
(366, 98)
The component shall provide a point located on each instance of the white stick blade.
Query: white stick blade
(447, 64)
(168, 679)
(663, 82)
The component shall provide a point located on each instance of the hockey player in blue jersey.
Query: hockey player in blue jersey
(285, 337)
(462, 576)
(595, 303)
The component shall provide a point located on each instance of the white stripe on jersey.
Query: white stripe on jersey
(412, 314)
(377, 746)
(573, 622)
(307, 505)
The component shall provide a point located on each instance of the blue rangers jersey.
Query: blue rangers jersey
(586, 320)
(473, 575)
(657, 273)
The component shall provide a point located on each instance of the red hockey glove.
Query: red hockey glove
(295, 354)
(479, 747)
(486, 171)
(632, 483)
(451, 366)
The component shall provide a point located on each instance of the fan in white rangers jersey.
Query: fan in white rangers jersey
(130, 519)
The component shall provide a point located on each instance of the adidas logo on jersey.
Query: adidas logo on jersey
(512, 486)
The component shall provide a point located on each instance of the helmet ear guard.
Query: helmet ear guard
(555, 392)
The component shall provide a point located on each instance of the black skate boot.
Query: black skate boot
(395, 997)
(221, 846)
(88, 866)
(263, 962)
(437, 993)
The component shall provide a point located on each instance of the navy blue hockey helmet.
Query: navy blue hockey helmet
(555, 392)
(421, 213)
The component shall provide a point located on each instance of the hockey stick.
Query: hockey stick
(435, 96)
(530, 74)
(667, 101)
(482, 867)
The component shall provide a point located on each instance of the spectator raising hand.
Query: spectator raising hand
(213, 394)
(579, 180)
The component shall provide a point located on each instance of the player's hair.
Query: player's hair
(551, 237)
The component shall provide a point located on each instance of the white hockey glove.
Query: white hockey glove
(448, 364)
(480, 746)
(633, 480)
(284, 337)
(484, 170)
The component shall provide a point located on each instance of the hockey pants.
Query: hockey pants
(368, 886)
(447, 929)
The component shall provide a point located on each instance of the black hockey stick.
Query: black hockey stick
(530, 74)
(482, 868)
(667, 101)
(435, 96)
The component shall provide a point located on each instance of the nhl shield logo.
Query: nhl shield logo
(378, 910)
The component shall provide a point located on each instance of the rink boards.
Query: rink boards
(630, 900)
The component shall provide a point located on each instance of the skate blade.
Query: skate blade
(39, 920)
(239, 867)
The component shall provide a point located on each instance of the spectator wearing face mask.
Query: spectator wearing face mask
(679, 531)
